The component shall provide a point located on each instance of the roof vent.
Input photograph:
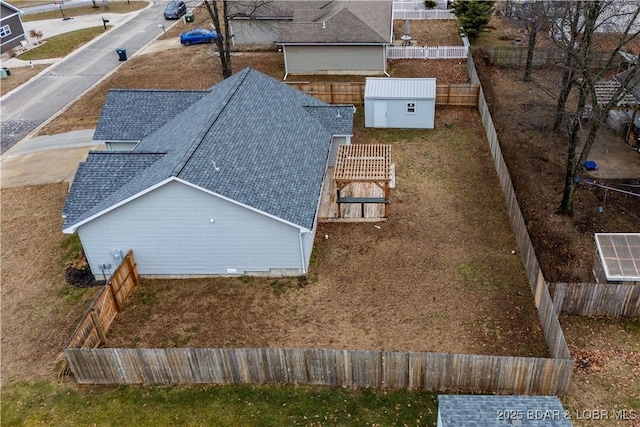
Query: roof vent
(324, 24)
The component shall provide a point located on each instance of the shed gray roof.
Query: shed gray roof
(130, 115)
(354, 21)
(399, 88)
(495, 411)
(268, 141)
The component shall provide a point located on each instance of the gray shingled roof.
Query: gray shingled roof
(355, 21)
(270, 143)
(495, 411)
(631, 79)
(272, 9)
(130, 115)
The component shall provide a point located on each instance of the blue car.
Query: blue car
(199, 35)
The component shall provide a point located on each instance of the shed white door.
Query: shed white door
(380, 114)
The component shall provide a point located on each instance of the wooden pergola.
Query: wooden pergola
(606, 90)
(363, 163)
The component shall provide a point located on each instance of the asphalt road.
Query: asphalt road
(42, 98)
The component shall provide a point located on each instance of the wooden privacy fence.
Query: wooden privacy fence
(333, 92)
(350, 368)
(597, 299)
(543, 57)
(427, 52)
(460, 95)
(92, 329)
(546, 311)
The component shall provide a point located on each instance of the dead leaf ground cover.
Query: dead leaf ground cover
(607, 374)
(429, 32)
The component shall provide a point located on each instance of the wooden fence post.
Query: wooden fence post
(98, 325)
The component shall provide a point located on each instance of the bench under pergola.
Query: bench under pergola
(363, 163)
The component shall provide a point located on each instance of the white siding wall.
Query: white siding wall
(170, 232)
(121, 145)
(368, 60)
(396, 113)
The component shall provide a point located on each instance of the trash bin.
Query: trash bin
(3, 73)
(188, 17)
(122, 54)
(8, 71)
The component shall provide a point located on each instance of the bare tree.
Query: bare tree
(617, 18)
(534, 16)
(566, 29)
(221, 16)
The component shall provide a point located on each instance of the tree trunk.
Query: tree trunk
(574, 167)
(565, 90)
(570, 63)
(533, 34)
(223, 39)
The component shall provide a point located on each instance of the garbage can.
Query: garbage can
(8, 71)
(122, 54)
(188, 17)
(3, 73)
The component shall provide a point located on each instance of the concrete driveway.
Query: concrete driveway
(46, 159)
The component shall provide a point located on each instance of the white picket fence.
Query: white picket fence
(415, 10)
(423, 14)
(427, 52)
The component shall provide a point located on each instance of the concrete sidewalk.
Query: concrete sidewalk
(46, 159)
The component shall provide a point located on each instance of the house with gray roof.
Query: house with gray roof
(340, 37)
(230, 185)
(319, 37)
(499, 411)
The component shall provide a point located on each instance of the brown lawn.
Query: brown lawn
(437, 276)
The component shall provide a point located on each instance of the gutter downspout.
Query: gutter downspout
(286, 68)
(384, 60)
(304, 267)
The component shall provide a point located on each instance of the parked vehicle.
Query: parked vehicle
(175, 9)
(199, 35)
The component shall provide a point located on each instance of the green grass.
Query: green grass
(114, 7)
(63, 44)
(71, 248)
(51, 403)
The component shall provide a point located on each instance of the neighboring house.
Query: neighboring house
(400, 103)
(339, 37)
(230, 185)
(626, 110)
(11, 29)
(491, 410)
(260, 23)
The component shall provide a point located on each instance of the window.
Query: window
(411, 107)
(5, 31)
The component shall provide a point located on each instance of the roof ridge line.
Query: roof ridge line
(200, 138)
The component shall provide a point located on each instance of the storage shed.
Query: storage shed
(400, 103)
(489, 410)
